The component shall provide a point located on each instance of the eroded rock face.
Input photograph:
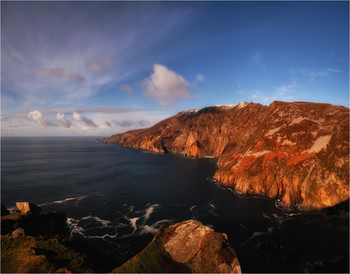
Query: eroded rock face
(298, 152)
(201, 248)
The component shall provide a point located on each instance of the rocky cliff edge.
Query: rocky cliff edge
(297, 152)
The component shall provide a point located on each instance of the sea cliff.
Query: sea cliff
(297, 152)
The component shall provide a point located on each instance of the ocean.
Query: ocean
(117, 198)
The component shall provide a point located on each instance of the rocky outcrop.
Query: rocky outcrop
(188, 246)
(297, 152)
(46, 224)
(4, 210)
(26, 207)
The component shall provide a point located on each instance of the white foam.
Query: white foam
(149, 211)
(63, 201)
(133, 222)
(97, 219)
(74, 227)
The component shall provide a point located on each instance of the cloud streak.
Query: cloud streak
(60, 74)
(166, 86)
(313, 74)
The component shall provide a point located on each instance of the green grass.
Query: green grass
(30, 254)
(14, 216)
(153, 259)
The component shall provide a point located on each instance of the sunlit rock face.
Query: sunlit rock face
(298, 152)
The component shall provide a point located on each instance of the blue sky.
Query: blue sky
(99, 68)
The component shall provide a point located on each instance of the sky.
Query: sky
(101, 68)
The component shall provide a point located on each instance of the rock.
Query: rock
(18, 232)
(201, 248)
(26, 207)
(46, 224)
(297, 152)
(4, 210)
(188, 246)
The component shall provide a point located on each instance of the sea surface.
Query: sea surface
(117, 197)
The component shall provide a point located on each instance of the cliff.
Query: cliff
(297, 152)
(188, 246)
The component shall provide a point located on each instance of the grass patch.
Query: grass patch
(153, 259)
(30, 254)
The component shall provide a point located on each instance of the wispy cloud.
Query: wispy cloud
(200, 78)
(258, 60)
(313, 74)
(59, 73)
(98, 66)
(63, 56)
(166, 86)
(127, 89)
(240, 90)
(282, 93)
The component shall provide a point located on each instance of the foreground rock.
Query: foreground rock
(26, 207)
(45, 224)
(298, 152)
(188, 246)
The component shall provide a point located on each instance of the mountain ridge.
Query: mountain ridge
(297, 152)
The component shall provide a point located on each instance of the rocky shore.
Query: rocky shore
(297, 152)
(39, 242)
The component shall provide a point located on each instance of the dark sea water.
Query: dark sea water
(117, 197)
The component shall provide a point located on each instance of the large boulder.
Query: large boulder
(188, 246)
(26, 207)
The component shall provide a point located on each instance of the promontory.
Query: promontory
(295, 151)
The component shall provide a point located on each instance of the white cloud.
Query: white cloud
(313, 74)
(38, 117)
(282, 93)
(61, 118)
(166, 86)
(83, 121)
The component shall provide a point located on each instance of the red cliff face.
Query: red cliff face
(298, 152)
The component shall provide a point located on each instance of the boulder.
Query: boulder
(188, 246)
(26, 207)
(201, 248)
(18, 232)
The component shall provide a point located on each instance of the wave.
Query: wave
(14, 209)
(63, 201)
(105, 223)
(145, 229)
(149, 211)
